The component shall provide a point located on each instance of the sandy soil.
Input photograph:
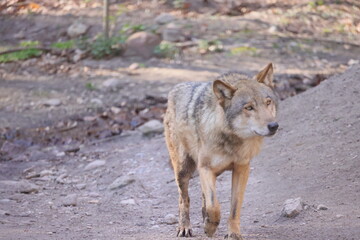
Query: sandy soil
(315, 154)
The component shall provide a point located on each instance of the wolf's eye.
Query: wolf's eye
(249, 108)
(268, 102)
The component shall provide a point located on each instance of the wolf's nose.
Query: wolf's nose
(273, 126)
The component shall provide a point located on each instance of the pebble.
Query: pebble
(322, 207)
(164, 18)
(134, 66)
(121, 182)
(21, 186)
(128, 202)
(112, 84)
(80, 186)
(150, 127)
(292, 207)
(54, 102)
(69, 200)
(170, 219)
(173, 33)
(4, 213)
(95, 164)
(77, 29)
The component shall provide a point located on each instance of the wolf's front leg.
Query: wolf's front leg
(240, 176)
(211, 206)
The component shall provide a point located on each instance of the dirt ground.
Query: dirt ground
(48, 190)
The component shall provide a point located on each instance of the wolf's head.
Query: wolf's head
(249, 105)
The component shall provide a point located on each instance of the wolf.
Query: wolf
(216, 126)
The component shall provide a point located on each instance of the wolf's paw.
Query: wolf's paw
(233, 236)
(210, 227)
(184, 232)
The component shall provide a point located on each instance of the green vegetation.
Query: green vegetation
(102, 47)
(24, 54)
(244, 50)
(206, 46)
(316, 3)
(128, 28)
(63, 45)
(90, 86)
(166, 50)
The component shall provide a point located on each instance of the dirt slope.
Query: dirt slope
(314, 156)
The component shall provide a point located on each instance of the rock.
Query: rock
(121, 182)
(80, 186)
(112, 84)
(353, 61)
(128, 202)
(46, 173)
(173, 33)
(96, 101)
(69, 200)
(11, 148)
(20, 35)
(77, 29)
(4, 213)
(170, 219)
(21, 186)
(321, 207)
(164, 18)
(79, 54)
(142, 44)
(292, 207)
(52, 102)
(71, 149)
(133, 66)
(115, 110)
(150, 127)
(95, 164)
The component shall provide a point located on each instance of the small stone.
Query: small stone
(322, 207)
(89, 118)
(96, 101)
(80, 186)
(79, 54)
(95, 164)
(121, 182)
(52, 102)
(173, 33)
(69, 200)
(4, 213)
(11, 148)
(128, 202)
(115, 110)
(164, 18)
(19, 35)
(339, 216)
(170, 219)
(77, 29)
(46, 173)
(353, 61)
(112, 84)
(292, 207)
(150, 127)
(142, 44)
(273, 29)
(133, 66)
(21, 186)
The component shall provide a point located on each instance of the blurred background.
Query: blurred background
(83, 89)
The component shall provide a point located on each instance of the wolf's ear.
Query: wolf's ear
(266, 75)
(223, 90)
